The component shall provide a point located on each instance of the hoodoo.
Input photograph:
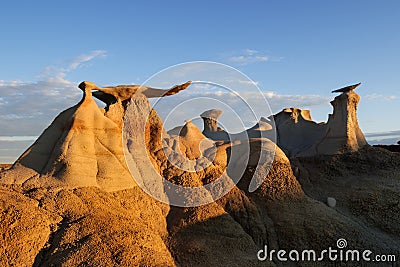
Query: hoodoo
(262, 129)
(298, 135)
(83, 145)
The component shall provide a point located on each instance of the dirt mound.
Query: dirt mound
(364, 183)
(392, 148)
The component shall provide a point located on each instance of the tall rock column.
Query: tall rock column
(343, 132)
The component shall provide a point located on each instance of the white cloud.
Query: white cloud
(242, 59)
(81, 59)
(17, 138)
(383, 138)
(77, 62)
(14, 116)
(249, 82)
(285, 101)
(380, 134)
(250, 52)
(380, 97)
(31, 106)
(27, 107)
(249, 56)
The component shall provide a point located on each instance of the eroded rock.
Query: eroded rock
(299, 136)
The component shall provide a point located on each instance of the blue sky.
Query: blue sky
(296, 50)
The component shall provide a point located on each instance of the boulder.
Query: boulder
(331, 202)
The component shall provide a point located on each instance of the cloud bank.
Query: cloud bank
(380, 97)
(249, 56)
(383, 138)
(28, 107)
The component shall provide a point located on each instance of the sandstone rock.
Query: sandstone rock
(112, 94)
(343, 131)
(83, 145)
(25, 228)
(299, 136)
(191, 140)
(71, 201)
(211, 128)
(346, 89)
(262, 129)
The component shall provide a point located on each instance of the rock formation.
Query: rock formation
(72, 199)
(343, 132)
(211, 127)
(346, 88)
(299, 136)
(261, 129)
(83, 145)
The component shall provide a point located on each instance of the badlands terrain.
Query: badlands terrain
(79, 195)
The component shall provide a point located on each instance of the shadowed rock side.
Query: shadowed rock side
(365, 185)
(200, 236)
(299, 136)
(230, 231)
(346, 88)
(55, 210)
